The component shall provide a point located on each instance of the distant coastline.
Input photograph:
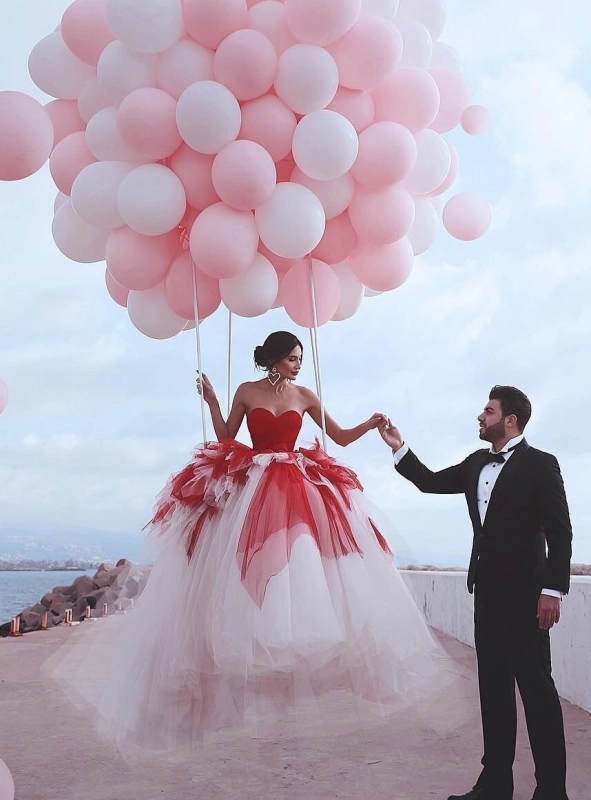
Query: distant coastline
(47, 566)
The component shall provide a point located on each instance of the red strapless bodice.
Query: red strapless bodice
(269, 432)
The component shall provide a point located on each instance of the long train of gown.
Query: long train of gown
(273, 597)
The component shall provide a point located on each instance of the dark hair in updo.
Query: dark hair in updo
(277, 345)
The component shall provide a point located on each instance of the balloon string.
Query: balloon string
(198, 344)
(313, 350)
(229, 361)
(316, 353)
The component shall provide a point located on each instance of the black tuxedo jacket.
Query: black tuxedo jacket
(524, 545)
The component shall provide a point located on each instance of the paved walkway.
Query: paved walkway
(55, 755)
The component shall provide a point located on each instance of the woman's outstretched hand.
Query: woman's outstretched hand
(203, 385)
(375, 421)
(391, 435)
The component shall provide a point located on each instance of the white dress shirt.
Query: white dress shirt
(486, 482)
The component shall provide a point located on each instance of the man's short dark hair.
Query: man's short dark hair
(512, 401)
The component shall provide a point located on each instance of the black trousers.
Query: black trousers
(510, 649)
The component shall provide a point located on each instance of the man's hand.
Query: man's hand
(391, 435)
(548, 611)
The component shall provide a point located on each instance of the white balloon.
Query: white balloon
(325, 145)
(148, 26)
(307, 78)
(254, 291)
(152, 200)
(120, 71)
(208, 116)
(94, 193)
(384, 9)
(92, 99)
(186, 62)
(60, 199)
(445, 57)
(151, 314)
(417, 42)
(432, 13)
(351, 291)
(433, 163)
(76, 238)
(56, 70)
(335, 196)
(292, 222)
(424, 230)
(6, 782)
(105, 142)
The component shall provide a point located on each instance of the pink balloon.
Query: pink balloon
(118, 293)
(467, 216)
(451, 175)
(281, 264)
(269, 17)
(334, 195)
(433, 163)
(178, 288)
(296, 292)
(252, 292)
(244, 175)
(152, 200)
(338, 242)
(210, 21)
(285, 170)
(291, 223)
(140, 262)
(208, 116)
(92, 99)
(381, 216)
(246, 62)
(85, 29)
(184, 63)
(270, 123)
(475, 120)
(456, 96)
(106, 143)
(121, 71)
(368, 53)
(26, 136)
(351, 291)
(224, 241)
(357, 107)
(321, 23)
(65, 117)
(56, 70)
(387, 154)
(146, 120)
(410, 96)
(307, 78)
(3, 403)
(68, 159)
(151, 314)
(77, 239)
(383, 267)
(194, 171)
(6, 782)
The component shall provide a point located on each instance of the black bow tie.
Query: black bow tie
(498, 458)
(494, 458)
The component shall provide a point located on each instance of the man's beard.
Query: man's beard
(494, 433)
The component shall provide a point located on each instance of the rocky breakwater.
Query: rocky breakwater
(112, 588)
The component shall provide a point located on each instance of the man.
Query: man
(519, 570)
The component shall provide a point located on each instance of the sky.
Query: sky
(100, 415)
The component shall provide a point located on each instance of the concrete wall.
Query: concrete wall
(448, 607)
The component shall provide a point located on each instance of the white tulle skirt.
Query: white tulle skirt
(244, 623)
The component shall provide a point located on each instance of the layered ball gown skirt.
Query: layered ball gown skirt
(273, 597)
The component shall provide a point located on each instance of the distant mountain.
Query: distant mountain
(47, 541)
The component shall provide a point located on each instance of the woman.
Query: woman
(274, 595)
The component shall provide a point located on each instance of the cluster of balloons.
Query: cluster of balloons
(3, 395)
(241, 136)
